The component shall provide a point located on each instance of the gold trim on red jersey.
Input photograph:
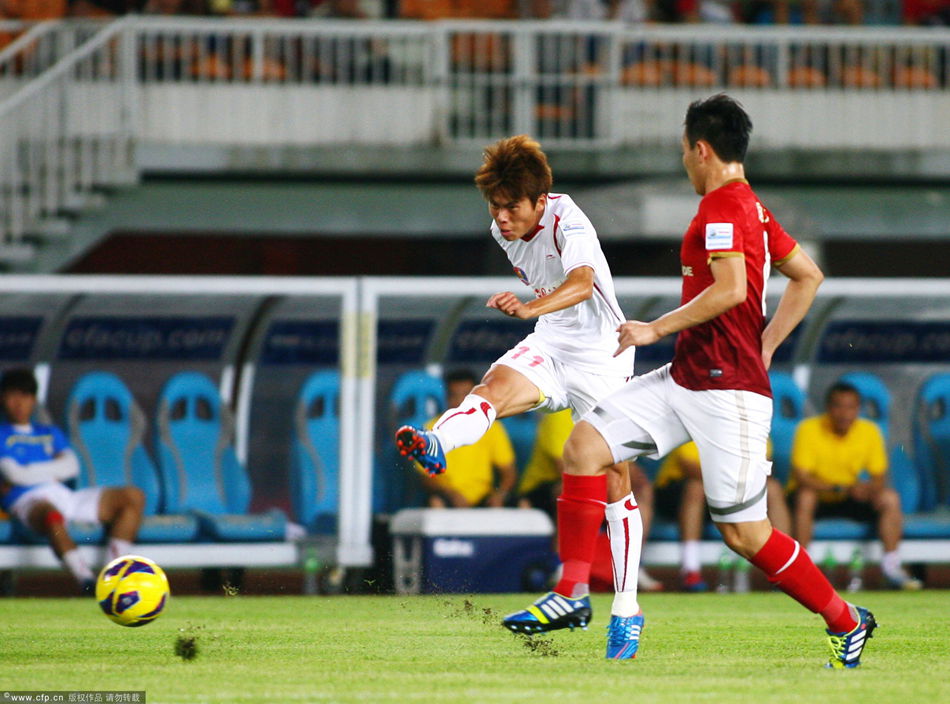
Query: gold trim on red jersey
(723, 255)
(779, 262)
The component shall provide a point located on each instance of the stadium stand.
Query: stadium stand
(315, 462)
(201, 473)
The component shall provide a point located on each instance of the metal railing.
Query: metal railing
(67, 132)
(28, 49)
(193, 81)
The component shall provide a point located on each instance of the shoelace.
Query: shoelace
(837, 643)
(621, 634)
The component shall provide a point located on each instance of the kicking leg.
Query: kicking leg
(503, 392)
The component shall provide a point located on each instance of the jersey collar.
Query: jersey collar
(542, 223)
(529, 237)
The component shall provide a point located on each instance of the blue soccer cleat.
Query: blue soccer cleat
(846, 648)
(422, 447)
(623, 636)
(549, 613)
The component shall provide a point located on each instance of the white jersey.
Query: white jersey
(583, 335)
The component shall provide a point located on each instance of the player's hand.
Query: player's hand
(457, 500)
(496, 499)
(766, 359)
(509, 304)
(634, 333)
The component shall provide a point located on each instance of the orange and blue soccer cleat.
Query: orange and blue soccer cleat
(846, 648)
(623, 636)
(422, 447)
(549, 613)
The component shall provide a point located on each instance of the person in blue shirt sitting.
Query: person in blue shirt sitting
(35, 460)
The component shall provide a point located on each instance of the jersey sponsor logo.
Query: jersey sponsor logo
(719, 235)
(520, 273)
(571, 228)
(543, 291)
(687, 270)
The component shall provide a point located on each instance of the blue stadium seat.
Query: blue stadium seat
(415, 398)
(931, 425)
(522, 430)
(200, 470)
(788, 408)
(106, 429)
(904, 479)
(875, 399)
(315, 459)
(6, 531)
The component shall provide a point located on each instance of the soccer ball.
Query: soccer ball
(132, 590)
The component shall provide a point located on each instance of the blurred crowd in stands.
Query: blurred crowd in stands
(910, 12)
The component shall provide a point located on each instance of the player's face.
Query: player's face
(693, 164)
(19, 406)
(843, 410)
(516, 218)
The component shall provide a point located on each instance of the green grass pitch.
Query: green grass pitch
(736, 648)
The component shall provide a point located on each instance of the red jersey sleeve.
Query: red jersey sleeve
(782, 246)
(721, 224)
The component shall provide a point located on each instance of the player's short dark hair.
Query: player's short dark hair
(19, 379)
(723, 123)
(460, 374)
(841, 387)
(514, 168)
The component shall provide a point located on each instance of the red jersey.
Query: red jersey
(726, 352)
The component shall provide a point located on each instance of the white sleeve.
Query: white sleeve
(61, 468)
(580, 244)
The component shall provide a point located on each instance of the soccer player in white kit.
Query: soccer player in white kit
(567, 362)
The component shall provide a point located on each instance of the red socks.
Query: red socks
(580, 513)
(789, 567)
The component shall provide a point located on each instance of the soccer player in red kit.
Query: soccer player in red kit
(716, 390)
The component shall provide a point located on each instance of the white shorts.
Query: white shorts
(81, 506)
(563, 386)
(653, 414)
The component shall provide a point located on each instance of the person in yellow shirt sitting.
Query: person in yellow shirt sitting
(678, 488)
(831, 455)
(540, 484)
(471, 479)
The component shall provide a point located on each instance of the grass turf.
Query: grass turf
(757, 648)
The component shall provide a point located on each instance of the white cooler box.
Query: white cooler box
(467, 550)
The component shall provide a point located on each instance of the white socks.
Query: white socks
(466, 424)
(119, 547)
(625, 531)
(690, 556)
(891, 563)
(77, 566)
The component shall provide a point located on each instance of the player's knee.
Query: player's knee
(889, 500)
(134, 498)
(585, 452)
(52, 521)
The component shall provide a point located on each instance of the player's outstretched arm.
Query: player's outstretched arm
(804, 279)
(727, 290)
(579, 286)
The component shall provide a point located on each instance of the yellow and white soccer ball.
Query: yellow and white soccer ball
(132, 590)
